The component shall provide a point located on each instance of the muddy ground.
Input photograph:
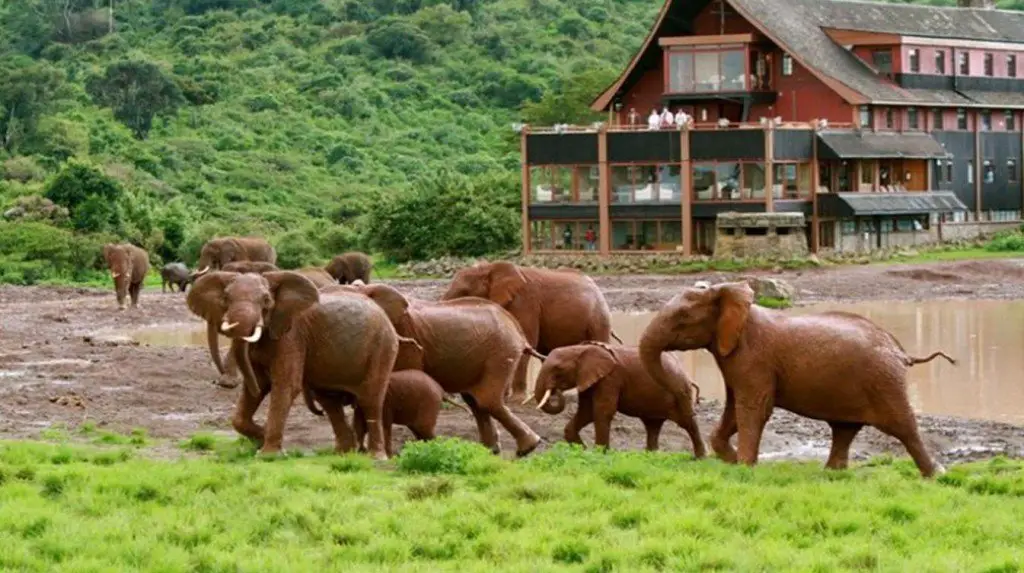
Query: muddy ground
(61, 363)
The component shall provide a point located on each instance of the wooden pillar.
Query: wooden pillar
(526, 189)
(769, 171)
(686, 189)
(815, 175)
(1020, 161)
(876, 183)
(978, 168)
(604, 191)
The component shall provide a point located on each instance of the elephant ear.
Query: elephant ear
(229, 251)
(506, 282)
(206, 299)
(293, 293)
(395, 305)
(596, 362)
(734, 300)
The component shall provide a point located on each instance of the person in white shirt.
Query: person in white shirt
(667, 119)
(682, 118)
(653, 120)
(634, 117)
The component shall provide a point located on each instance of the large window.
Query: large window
(990, 65)
(882, 60)
(865, 116)
(937, 121)
(943, 171)
(961, 119)
(1011, 170)
(940, 62)
(707, 69)
(1011, 65)
(728, 181)
(565, 235)
(912, 120)
(791, 180)
(989, 171)
(552, 184)
(1010, 120)
(986, 120)
(963, 63)
(645, 183)
(914, 59)
(646, 235)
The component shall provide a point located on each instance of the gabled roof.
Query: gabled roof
(875, 145)
(797, 27)
(906, 203)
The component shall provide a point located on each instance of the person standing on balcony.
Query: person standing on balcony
(682, 118)
(653, 120)
(633, 118)
(667, 119)
(591, 238)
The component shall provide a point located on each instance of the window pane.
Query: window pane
(915, 60)
(940, 62)
(733, 70)
(1009, 120)
(785, 180)
(680, 71)
(561, 184)
(804, 174)
(541, 185)
(540, 236)
(647, 232)
(567, 235)
(1011, 169)
(1011, 66)
(622, 185)
(703, 180)
(867, 173)
(728, 180)
(753, 180)
(970, 171)
(990, 172)
(587, 178)
(912, 118)
(670, 183)
(937, 119)
(671, 234)
(590, 232)
(622, 236)
(706, 66)
(645, 183)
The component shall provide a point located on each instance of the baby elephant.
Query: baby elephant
(610, 378)
(413, 400)
(175, 274)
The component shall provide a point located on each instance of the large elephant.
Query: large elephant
(218, 252)
(128, 266)
(555, 308)
(610, 379)
(834, 366)
(349, 267)
(471, 346)
(257, 267)
(284, 337)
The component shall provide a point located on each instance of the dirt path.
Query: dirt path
(60, 362)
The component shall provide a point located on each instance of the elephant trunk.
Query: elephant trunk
(549, 399)
(213, 340)
(240, 348)
(652, 345)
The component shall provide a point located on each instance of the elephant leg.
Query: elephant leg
(359, 424)
(531, 329)
(334, 408)
(517, 391)
(686, 419)
(371, 402)
(133, 290)
(904, 428)
(583, 417)
(726, 428)
(286, 380)
(653, 427)
(484, 425)
(843, 434)
(752, 412)
(245, 409)
(602, 426)
(231, 376)
(163, 287)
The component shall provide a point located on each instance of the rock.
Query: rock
(109, 340)
(772, 288)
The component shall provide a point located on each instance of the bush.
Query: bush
(90, 195)
(22, 169)
(445, 456)
(34, 252)
(294, 250)
(1007, 241)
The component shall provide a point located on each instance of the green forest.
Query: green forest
(324, 125)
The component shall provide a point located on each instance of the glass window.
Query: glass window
(787, 65)
(753, 180)
(647, 232)
(622, 184)
(733, 71)
(1011, 170)
(587, 180)
(904, 225)
(970, 171)
(590, 234)
(914, 56)
(623, 238)
(912, 121)
(1011, 65)
(1010, 120)
(727, 180)
(567, 235)
(865, 116)
(703, 181)
(990, 171)
(540, 236)
(937, 119)
(785, 180)
(882, 60)
(845, 177)
(867, 173)
(669, 183)
(890, 118)
(706, 71)
(645, 183)
(680, 71)
(990, 65)
(804, 175)
(541, 185)
(986, 120)
(949, 171)
(671, 234)
(963, 63)
(961, 118)
(940, 62)
(848, 227)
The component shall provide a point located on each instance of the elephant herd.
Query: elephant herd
(395, 359)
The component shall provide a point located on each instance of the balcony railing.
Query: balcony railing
(565, 128)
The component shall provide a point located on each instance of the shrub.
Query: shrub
(1007, 241)
(445, 456)
(90, 195)
(22, 169)
(34, 252)
(294, 250)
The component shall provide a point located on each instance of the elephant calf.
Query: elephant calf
(413, 400)
(611, 378)
(175, 274)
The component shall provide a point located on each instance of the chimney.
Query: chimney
(982, 4)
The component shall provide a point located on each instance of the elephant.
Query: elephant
(128, 266)
(318, 276)
(218, 252)
(351, 266)
(610, 379)
(284, 337)
(250, 267)
(175, 274)
(413, 400)
(555, 308)
(471, 346)
(838, 367)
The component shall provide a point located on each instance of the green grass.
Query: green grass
(769, 302)
(86, 508)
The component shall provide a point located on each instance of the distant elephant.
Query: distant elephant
(218, 252)
(284, 337)
(834, 366)
(471, 346)
(349, 267)
(175, 274)
(610, 379)
(128, 266)
(413, 400)
(255, 267)
(555, 308)
(319, 276)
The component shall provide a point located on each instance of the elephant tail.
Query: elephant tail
(307, 395)
(450, 400)
(696, 389)
(531, 351)
(616, 337)
(912, 360)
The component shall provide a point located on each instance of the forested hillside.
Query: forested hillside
(290, 118)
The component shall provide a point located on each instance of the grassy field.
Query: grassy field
(451, 506)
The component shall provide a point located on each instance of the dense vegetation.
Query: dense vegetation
(452, 506)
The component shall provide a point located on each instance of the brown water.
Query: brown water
(986, 338)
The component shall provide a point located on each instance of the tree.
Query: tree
(137, 92)
(570, 101)
(92, 197)
(26, 91)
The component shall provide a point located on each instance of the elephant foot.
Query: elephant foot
(528, 448)
(225, 381)
(270, 453)
(724, 451)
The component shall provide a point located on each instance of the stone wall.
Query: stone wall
(973, 230)
(747, 235)
(867, 242)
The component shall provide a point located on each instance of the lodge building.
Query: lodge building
(884, 124)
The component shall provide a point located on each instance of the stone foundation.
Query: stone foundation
(771, 235)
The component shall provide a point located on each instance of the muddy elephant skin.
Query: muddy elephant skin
(471, 347)
(128, 266)
(555, 308)
(218, 252)
(175, 274)
(285, 337)
(837, 367)
(250, 267)
(347, 268)
(610, 379)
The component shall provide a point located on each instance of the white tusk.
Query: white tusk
(544, 399)
(207, 268)
(114, 275)
(225, 327)
(358, 282)
(255, 334)
(702, 285)
(528, 398)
